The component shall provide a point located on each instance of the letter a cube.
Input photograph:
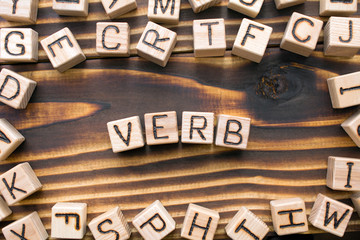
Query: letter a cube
(154, 222)
(10, 138)
(19, 10)
(156, 44)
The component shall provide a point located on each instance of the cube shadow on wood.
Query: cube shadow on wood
(343, 174)
(249, 8)
(71, 7)
(115, 8)
(164, 11)
(337, 7)
(197, 127)
(200, 5)
(22, 11)
(10, 138)
(352, 127)
(161, 128)
(113, 39)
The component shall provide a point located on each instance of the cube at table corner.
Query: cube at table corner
(18, 45)
(352, 127)
(249, 8)
(289, 216)
(330, 215)
(154, 222)
(125, 134)
(245, 225)
(337, 7)
(28, 227)
(113, 39)
(161, 128)
(344, 90)
(281, 4)
(342, 37)
(68, 220)
(156, 44)
(164, 11)
(78, 8)
(201, 5)
(343, 174)
(209, 37)
(111, 224)
(19, 183)
(355, 198)
(10, 138)
(21, 11)
(301, 34)
(197, 127)
(63, 50)
(232, 131)
(115, 8)
(200, 223)
(251, 40)
(5, 211)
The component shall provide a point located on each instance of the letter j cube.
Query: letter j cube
(68, 220)
(156, 44)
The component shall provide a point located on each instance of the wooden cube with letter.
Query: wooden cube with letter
(330, 215)
(200, 5)
(18, 45)
(156, 44)
(19, 183)
(251, 40)
(10, 138)
(71, 7)
(154, 222)
(343, 174)
(4, 209)
(197, 127)
(245, 225)
(63, 50)
(249, 8)
(113, 39)
(164, 11)
(19, 11)
(115, 8)
(301, 34)
(161, 128)
(68, 220)
(352, 127)
(289, 216)
(337, 7)
(111, 224)
(355, 198)
(281, 4)
(28, 227)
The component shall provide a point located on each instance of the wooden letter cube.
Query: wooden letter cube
(249, 8)
(20, 10)
(63, 50)
(197, 127)
(343, 174)
(15, 90)
(201, 5)
(246, 226)
(337, 7)
(10, 138)
(29, 227)
(113, 39)
(71, 7)
(289, 216)
(161, 128)
(125, 134)
(68, 220)
(281, 4)
(209, 37)
(4, 209)
(116, 8)
(18, 45)
(200, 223)
(345, 90)
(352, 127)
(110, 225)
(330, 215)
(19, 183)
(342, 37)
(251, 40)
(301, 34)
(232, 131)
(156, 44)
(154, 222)
(164, 11)
(355, 198)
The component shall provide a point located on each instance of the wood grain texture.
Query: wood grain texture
(294, 128)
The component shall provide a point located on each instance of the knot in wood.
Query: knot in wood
(272, 83)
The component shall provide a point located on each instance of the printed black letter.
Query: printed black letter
(126, 141)
(22, 236)
(206, 229)
(12, 188)
(152, 225)
(7, 78)
(117, 235)
(209, 29)
(327, 220)
(192, 128)
(163, 9)
(297, 22)
(58, 42)
(248, 33)
(67, 216)
(103, 37)
(227, 132)
(157, 127)
(241, 226)
(21, 46)
(291, 218)
(157, 39)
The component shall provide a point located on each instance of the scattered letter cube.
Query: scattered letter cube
(10, 139)
(156, 44)
(251, 40)
(113, 39)
(301, 34)
(4, 209)
(280, 4)
(63, 50)
(337, 7)
(71, 7)
(19, 10)
(161, 128)
(352, 127)
(330, 215)
(154, 222)
(164, 11)
(249, 8)
(197, 127)
(116, 8)
(343, 174)
(201, 5)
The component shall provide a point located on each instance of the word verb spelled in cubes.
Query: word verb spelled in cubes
(63, 50)
(113, 39)
(201, 5)
(343, 174)
(154, 222)
(19, 11)
(68, 220)
(71, 7)
(19, 183)
(249, 8)
(301, 34)
(28, 227)
(164, 11)
(330, 215)
(10, 138)
(115, 8)
(337, 7)
(111, 224)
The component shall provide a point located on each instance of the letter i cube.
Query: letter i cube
(343, 174)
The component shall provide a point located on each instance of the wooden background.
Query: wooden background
(294, 128)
